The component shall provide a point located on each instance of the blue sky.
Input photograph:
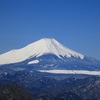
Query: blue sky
(74, 23)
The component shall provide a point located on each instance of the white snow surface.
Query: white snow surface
(38, 48)
(33, 62)
(71, 72)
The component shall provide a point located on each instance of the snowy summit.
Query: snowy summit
(37, 49)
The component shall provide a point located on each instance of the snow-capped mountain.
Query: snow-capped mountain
(37, 49)
(47, 54)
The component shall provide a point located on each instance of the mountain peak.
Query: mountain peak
(37, 49)
(47, 40)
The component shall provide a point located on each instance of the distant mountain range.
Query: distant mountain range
(47, 88)
(49, 56)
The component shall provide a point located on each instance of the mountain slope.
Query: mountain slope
(37, 49)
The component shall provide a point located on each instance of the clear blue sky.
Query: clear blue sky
(74, 23)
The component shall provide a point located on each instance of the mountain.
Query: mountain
(48, 54)
(37, 49)
(47, 70)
